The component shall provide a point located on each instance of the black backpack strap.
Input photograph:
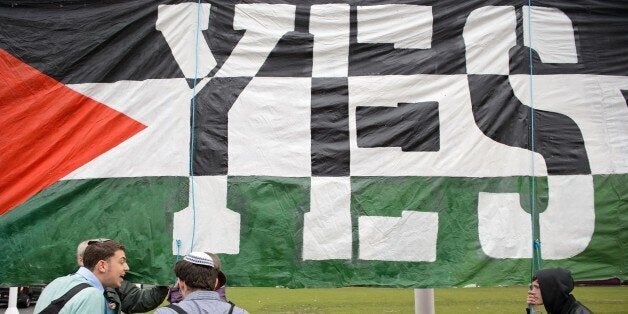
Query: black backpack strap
(56, 305)
(176, 308)
(232, 306)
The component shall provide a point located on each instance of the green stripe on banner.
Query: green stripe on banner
(272, 223)
(40, 236)
(271, 210)
(139, 211)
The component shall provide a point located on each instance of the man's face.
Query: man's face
(114, 270)
(535, 293)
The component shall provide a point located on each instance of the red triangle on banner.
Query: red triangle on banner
(48, 130)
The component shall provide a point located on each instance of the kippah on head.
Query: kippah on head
(199, 258)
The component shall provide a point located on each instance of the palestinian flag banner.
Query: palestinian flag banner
(316, 144)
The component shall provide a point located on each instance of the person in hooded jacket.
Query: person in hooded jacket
(552, 288)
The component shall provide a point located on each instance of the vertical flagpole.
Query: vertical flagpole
(424, 301)
(12, 307)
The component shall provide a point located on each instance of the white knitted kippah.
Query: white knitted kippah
(199, 258)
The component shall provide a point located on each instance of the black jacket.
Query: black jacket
(556, 285)
(131, 299)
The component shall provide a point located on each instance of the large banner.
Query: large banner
(315, 144)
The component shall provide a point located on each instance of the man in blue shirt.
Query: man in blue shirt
(104, 266)
(128, 298)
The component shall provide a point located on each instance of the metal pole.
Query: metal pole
(424, 301)
(12, 307)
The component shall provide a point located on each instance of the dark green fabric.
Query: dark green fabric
(40, 236)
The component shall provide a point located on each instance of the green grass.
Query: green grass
(385, 300)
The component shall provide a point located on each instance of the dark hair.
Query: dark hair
(196, 276)
(215, 259)
(99, 250)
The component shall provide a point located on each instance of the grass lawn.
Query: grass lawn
(385, 300)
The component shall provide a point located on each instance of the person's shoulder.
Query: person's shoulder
(53, 290)
(236, 309)
(61, 281)
(61, 285)
(90, 292)
(581, 309)
(85, 301)
(164, 310)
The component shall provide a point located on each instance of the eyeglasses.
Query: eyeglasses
(100, 240)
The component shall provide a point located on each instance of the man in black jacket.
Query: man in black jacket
(552, 287)
(128, 298)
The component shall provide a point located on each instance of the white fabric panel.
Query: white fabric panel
(179, 23)
(552, 34)
(411, 237)
(489, 33)
(405, 26)
(327, 227)
(269, 128)
(265, 24)
(568, 223)
(464, 150)
(615, 111)
(594, 103)
(162, 149)
(504, 228)
(329, 23)
(216, 228)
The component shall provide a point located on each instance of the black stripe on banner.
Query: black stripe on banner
(330, 127)
(212, 107)
(412, 126)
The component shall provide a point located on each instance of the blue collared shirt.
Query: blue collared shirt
(89, 300)
(89, 276)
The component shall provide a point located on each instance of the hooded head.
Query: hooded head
(556, 285)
